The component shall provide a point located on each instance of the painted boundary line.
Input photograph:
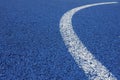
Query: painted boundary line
(84, 58)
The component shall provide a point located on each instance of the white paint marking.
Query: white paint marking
(92, 67)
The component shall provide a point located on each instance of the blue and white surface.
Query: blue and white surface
(33, 48)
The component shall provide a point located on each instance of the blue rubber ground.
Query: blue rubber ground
(31, 47)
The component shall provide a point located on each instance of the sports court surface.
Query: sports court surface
(33, 45)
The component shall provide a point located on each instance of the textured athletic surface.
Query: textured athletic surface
(31, 46)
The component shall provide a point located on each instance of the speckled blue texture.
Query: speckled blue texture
(31, 47)
(99, 30)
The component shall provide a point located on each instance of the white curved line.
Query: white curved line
(92, 67)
